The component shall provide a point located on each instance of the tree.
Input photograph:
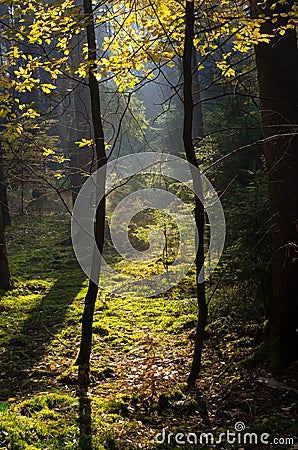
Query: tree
(83, 359)
(277, 67)
(4, 267)
(199, 207)
(3, 191)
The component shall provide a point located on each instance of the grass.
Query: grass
(140, 360)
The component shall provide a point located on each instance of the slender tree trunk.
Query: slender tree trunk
(199, 207)
(4, 268)
(3, 192)
(83, 360)
(4, 220)
(277, 67)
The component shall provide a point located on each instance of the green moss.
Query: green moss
(48, 421)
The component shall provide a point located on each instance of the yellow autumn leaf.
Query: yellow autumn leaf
(48, 151)
(47, 88)
(84, 142)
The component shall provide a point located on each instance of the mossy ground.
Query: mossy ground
(141, 357)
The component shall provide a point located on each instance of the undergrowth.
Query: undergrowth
(141, 356)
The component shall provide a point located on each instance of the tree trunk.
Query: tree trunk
(199, 207)
(3, 192)
(83, 360)
(277, 67)
(4, 220)
(4, 268)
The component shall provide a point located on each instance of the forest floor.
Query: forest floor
(140, 361)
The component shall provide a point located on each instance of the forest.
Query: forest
(148, 224)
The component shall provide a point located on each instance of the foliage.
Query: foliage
(149, 35)
(138, 40)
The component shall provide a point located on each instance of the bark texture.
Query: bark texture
(277, 67)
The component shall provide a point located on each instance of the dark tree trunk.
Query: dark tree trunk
(4, 268)
(4, 220)
(3, 192)
(277, 67)
(83, 359)
(199, 207)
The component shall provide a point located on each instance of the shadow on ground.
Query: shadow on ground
(22, 367)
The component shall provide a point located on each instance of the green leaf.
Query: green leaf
(3, 406)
